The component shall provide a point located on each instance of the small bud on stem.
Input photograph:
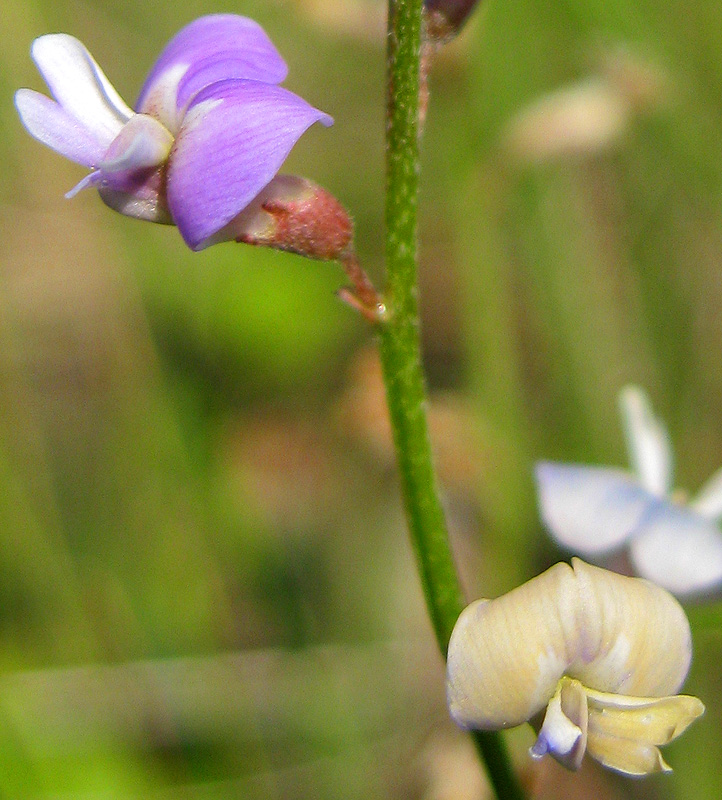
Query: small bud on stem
(295, 215)
(445, 18)
(299, 216)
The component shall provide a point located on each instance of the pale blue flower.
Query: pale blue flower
(595, 511)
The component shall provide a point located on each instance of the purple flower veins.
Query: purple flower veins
(211, 127)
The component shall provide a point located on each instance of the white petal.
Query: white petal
(708, 501)
(590, 510)
(506, 656)
(564, 731)
(631, 637)
(79, 85)
(647, 441)
(679, 550)
(143, 142)
(50, 124)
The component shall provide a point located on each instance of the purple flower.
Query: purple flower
(210, 130)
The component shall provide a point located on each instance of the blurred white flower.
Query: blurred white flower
(593, 511)
(591, 115)
(581, 119)
(603, 653)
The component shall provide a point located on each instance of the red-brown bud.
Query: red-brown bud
(445, 18)
(296, 215)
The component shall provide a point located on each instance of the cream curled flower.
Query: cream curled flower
(603, 653)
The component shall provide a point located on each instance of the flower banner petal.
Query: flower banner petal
(213, 48)
(234, 138)
(650, 450)
(589, 510)
(79, 85)
(50, 124)
(679, 549)
(630, 637)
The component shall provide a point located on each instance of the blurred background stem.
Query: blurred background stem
(401, 357)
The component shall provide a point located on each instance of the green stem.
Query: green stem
(400, 347)
(401, 359)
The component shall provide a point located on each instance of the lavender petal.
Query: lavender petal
(235, 137)
(680, 550)
(211, 49)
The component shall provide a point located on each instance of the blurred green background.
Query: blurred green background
(206, 589)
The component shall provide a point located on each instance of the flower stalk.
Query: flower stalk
(401, 357)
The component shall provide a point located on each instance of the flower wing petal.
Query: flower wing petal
(589, 510)
(234, 138)
(79, 85)
(51, 124)
(679, 549)
(625, 756)
(650, 450)
(656, 720)
(708, 501)
(211, 49)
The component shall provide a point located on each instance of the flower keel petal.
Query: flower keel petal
(563, 734)
(143, 142)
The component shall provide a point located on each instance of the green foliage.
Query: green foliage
(189, 474)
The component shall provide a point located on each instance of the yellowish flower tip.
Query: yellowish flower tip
(603, 653)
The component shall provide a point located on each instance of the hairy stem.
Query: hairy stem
(401, 358)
